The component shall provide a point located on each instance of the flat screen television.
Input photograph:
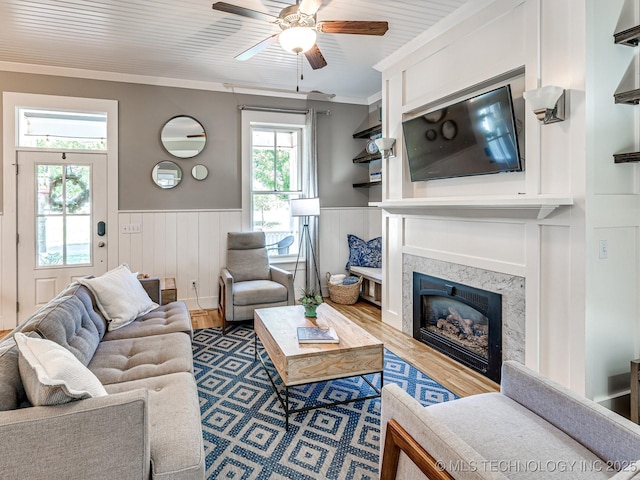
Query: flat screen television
(474, 137)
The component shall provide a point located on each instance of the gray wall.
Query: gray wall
(143, 109)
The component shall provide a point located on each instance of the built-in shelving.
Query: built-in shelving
(631, 38)
(368, 132)
(504, 206)
(365, 157)
(632, 97)
(367, 184)
(626, 157)
(628, 37)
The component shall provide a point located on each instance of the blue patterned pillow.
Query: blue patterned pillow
(364, 254)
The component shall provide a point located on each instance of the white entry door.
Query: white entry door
(62, 231)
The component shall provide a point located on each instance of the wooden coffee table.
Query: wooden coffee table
(358, 353)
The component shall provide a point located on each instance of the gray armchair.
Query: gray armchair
(248, 281)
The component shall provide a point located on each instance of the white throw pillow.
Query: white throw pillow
(120, 296)
(52, 375)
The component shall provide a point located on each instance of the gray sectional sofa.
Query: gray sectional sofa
(148, 426)
(533, 429)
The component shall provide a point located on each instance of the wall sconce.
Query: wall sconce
(547, 103)
(385, 145)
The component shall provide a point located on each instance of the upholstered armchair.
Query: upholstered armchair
(248, 281)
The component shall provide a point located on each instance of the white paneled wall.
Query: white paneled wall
(191, 245)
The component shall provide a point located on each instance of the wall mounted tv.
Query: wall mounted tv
(474, 137)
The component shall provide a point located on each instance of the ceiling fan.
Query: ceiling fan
(299, 26)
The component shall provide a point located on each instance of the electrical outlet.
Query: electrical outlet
(603, 249)
(194, 284)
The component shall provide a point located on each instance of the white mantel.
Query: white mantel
(503, 206)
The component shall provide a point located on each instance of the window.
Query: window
(276, 164)
(69, 130)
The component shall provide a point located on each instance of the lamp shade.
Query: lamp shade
(305, 207)
(297, 39)
(385, 143)
(543, 98)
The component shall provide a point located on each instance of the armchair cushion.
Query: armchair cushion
(253, 292)
(247, 256)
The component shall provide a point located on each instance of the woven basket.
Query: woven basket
(344, 294)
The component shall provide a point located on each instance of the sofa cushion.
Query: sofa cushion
(65, 321)
(253, 292)
(11, 390)
(169, 318)
(511, 437)
(119, 295)
(175, 425)
(52, 375)
(88, 299)
(125, 360)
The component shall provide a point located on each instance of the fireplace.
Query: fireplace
(463, 322)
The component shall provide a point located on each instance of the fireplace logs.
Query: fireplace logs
(471, 333)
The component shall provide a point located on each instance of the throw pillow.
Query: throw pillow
(52, 375)
(119, 296)
(364, 254)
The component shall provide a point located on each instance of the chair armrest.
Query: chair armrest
(607, 434)
(285, 278)
(634, 383)
(153, 289)
(447, 449)
(98, 438)
(227, 279)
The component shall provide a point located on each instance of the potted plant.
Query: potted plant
(310, 300)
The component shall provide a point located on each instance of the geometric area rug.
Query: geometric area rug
(243, 424)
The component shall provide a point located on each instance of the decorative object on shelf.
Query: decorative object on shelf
(548, 103)
(310, 300)
(166, 174)
(306, 207)
(183, 136)
(199, 172)
(385, 145)
(372, 147)
(375, 176)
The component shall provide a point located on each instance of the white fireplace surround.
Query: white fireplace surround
(511, 287)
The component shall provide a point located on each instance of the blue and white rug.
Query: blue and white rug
(243, 422)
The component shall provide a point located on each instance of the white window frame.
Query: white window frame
(251, 119)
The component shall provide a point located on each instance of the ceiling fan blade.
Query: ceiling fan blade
(199, 135)
(353, 27)
(315, 57)
(309, 7)
(258, 47)
(245, 12)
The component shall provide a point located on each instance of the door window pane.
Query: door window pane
(63, 215)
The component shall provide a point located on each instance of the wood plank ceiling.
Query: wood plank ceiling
(187, 40)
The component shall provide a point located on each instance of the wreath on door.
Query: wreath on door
(77, 193)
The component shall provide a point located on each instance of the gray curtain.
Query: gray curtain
(310, 190)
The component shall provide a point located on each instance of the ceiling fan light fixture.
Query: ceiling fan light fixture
(297, 39)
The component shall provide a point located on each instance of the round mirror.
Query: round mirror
(199, 172)
(166, 174)
(183, 137)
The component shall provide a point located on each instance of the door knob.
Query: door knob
(101, 244)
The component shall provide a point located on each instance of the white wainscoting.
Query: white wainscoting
(191, 245)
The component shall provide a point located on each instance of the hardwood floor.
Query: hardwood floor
(450, 374)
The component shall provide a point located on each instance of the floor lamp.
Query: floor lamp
(306, 207)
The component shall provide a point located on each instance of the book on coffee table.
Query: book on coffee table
(317, 335)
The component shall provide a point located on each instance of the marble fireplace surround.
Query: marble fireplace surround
(511, 287)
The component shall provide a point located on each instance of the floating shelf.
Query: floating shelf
(365, 157)
(367, 184)
(626, 157)
(368, 132)
(628, 37)
(632, 97)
